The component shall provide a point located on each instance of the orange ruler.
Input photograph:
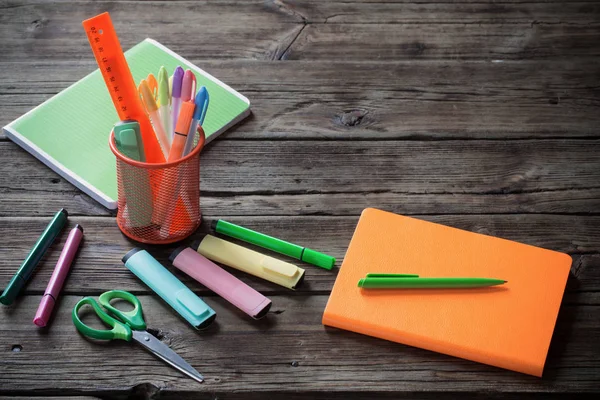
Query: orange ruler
(119, 81)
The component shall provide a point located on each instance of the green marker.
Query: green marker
(33, 258)
(280, 246)
(404, 281)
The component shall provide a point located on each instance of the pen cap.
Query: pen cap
(164, 97)
(177, 81)
(250, 261)
(44, 311)
(147, 96)
(201, 102)
(319, 259)
(221, 282)
(129, 139)
(169, 288)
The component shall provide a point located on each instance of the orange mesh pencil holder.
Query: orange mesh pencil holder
(158, 202)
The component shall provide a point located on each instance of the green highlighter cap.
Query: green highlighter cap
(163, 87)
(268, 242)
(129, 140)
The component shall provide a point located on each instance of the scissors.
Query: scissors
(128, 325)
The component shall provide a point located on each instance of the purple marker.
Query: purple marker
(176, 98)
(58, 277)
(221, 282)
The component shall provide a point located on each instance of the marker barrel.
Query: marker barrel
(33, 258)
(58, 277)
(221, 282)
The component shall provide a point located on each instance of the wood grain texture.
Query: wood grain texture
(448, 12)
(99, 267)
(42, 31)
(481, 115)
(286, 178)
(290, 345)
(363, 101)
(445, 41)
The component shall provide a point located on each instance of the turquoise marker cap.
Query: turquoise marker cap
(128, 139)
(167, 286)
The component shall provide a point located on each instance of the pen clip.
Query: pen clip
(392, 276)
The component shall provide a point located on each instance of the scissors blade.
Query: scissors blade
(163, 352)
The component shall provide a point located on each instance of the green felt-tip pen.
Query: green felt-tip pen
(267, 242)
(404, 281)
(33, 258)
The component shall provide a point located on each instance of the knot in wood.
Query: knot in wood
(351, 118)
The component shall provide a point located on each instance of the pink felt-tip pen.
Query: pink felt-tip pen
(58, 277)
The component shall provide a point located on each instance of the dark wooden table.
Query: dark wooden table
(481, 115)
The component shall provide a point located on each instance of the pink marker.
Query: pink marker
(188, 86)
(221, 282)
(58, 277)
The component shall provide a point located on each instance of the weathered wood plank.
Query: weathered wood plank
(363, 167)
(355, 100)
(239, 178)
(290, 345)
(452, 12)
(565, 202)
(42, 31)
(526, 41)
(401, 167)
(99, 267)
(264, 30)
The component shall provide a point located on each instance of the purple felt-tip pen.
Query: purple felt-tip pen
(58, 277)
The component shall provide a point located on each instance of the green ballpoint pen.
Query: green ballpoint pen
(268, 242)
(33, 258)
(406, 281)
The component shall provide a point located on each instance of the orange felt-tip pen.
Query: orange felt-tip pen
(152, 108)
(153, 84)
(181, 130)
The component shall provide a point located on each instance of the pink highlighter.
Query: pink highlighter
(58, 277)
(221, 282)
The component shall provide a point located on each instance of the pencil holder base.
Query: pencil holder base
(158, 202)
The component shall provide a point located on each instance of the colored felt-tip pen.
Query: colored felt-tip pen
(405, 281)
(188, 86)
(33, 258)
(164, 100)
(58, 277)
(268, 242)
(176, 98)
(201, 101)
(152, 109)
(181, 131)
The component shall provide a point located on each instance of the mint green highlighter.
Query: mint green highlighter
(128, 326)
(167, 286)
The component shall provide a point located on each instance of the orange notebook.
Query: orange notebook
(509, 326)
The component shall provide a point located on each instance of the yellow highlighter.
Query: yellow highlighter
(250, 261)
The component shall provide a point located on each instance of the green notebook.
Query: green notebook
(69, 132)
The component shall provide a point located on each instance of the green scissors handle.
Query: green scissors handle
(121, 322)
